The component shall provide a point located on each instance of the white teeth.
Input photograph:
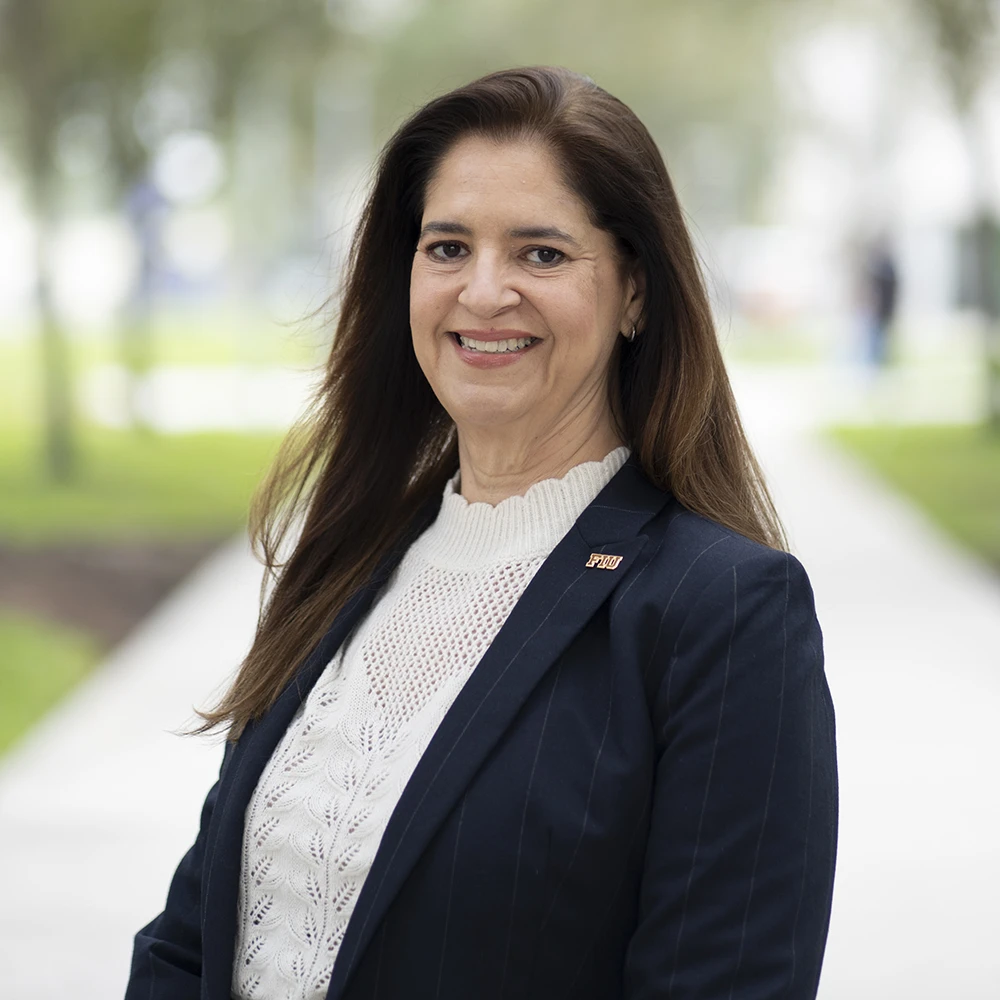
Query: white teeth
(495, 346)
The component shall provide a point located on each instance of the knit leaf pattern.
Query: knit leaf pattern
(320, 809)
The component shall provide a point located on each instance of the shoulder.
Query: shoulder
(689, 552)
(697, 576)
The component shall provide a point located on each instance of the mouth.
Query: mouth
(511, 345)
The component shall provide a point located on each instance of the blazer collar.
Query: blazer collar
(562, 596)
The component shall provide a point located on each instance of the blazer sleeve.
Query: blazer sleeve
(738, 875)
(166, 956)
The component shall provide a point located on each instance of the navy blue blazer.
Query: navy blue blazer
(633, 796)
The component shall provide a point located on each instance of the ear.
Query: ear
(635, 297)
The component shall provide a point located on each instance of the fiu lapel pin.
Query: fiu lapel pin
(603, 561)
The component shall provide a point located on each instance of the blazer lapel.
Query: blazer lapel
(565, 592)
(220, 876)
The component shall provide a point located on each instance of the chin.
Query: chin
(479, 408)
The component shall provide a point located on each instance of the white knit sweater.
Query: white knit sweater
(315, 821)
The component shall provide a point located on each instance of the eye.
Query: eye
(545, 255)
(446, 250)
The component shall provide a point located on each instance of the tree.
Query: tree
(55, 54)
(966, 35)
(252, 43)
(52, 54)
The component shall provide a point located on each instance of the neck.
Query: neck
(495, 466)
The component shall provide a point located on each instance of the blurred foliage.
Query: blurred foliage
(697, 72)
(952, 472)
(107, 59)
(59, 58)
(132, 486)
(28, 692)
(966, 35)
(251, 44)
(56, 60)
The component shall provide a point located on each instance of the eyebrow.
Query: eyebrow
(522, 233)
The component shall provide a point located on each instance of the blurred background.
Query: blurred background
(178, 184)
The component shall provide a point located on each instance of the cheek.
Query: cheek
(429, 302)
(581, 314)
(587, 295)
(428, 311)
(418, 294)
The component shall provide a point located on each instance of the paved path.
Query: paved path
(912, 636)
(98, 805)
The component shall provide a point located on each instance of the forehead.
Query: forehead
(520, 180)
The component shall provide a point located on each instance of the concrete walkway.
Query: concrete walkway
(98, 805)
(100, 802)
(912, 635)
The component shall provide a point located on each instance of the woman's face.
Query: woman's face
(516, 298)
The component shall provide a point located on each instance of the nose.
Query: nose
(487, 290)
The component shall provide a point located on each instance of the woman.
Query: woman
(536, 707)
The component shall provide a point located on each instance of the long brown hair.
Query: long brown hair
(378, 445)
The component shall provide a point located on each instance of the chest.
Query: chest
(539, 860)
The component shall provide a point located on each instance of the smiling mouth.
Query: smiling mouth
(510, 346)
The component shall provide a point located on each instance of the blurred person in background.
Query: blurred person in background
(536, 706)
(880, 292)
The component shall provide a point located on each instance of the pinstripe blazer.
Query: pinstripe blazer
(634, 795)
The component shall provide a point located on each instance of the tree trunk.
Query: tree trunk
(135, 329)
(985, 238)
(57, 384)
(29, 30)
(60, 440)
(986, 272)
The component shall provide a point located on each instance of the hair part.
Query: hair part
(377, 445)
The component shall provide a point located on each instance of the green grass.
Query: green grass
(39, 663)
(131, 485)
(193, 486)
(952, 472)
